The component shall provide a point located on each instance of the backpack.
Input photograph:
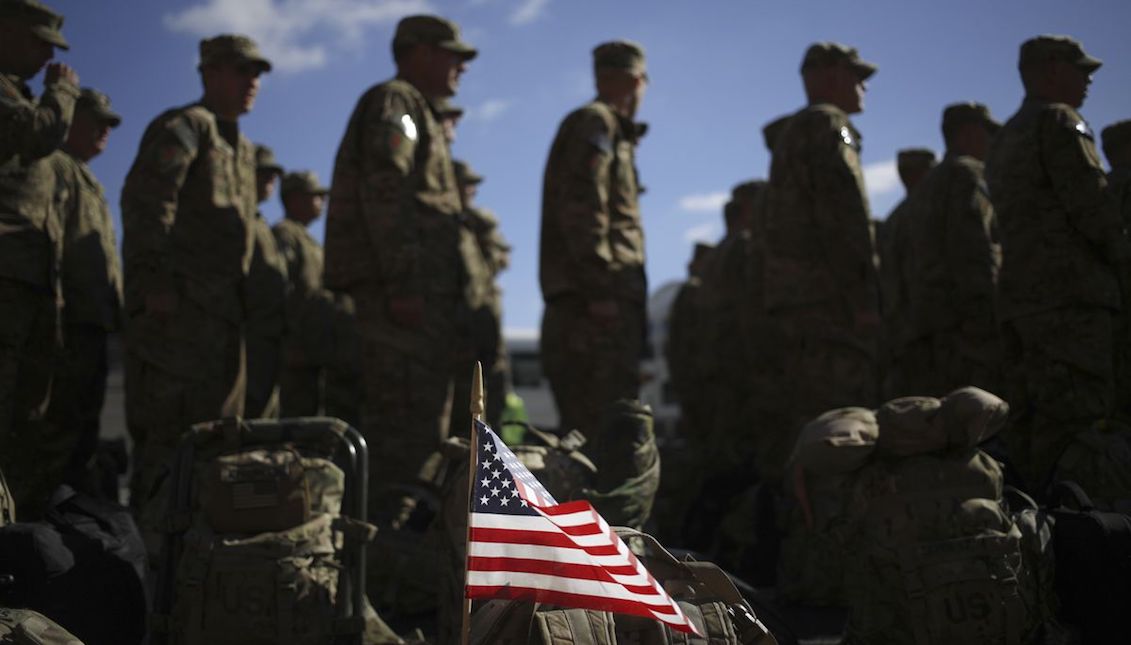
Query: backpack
(83, 565)
(704, 593)
(628, 465)
(265, 535)
(27, 627)
(7, 504)
(1093, 565)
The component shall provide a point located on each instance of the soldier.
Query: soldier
(954, 261)
(30, 244)
(449, 116)
(591, 261)
(265, 294)
(1117, 148)
(1058, 289)
(487, 320)
(771, 132)
(91, 279)
(393, 243)
(820, 280)
(902, 360)
(188, 207)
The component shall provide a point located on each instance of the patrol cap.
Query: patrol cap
(465, 176)
(911, 158)
(231, 48)
(302, 181)
(1116, 137)
(43, 21)
(445, 108)
(99, 105)
(1052, 48)
(829, 54)
(620, 54)
(265, 160)
(968, 112)
(425, 29)
(772, 130)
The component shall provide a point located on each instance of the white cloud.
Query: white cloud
(704, 202)
(488, 111)
(528, 11)
(702, 233)
(882, 177)
(296, 35)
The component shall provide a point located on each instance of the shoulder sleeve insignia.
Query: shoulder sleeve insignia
(602, 142)
(1084, 130)
(408, 126)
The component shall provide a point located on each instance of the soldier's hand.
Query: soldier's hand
(604, 310)
(407, 311)
(161, 305)
(60, 72)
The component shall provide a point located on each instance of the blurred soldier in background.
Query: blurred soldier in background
(91, 278)
(265, 293)
(188, 208)
(954, 260)
(591, 259)
(30, 247)
(1117, 148)
(901, 360)
(393, 243)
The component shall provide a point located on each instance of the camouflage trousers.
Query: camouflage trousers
(300, 390)
(590, 363)
(33, 449)
(182, 370)
(1059, 382)
(491, 352)
(79, 392)
(408, 391)
(951, 359)
(264, 364)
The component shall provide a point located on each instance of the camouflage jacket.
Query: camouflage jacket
(1119, 185)
(892, 238)
(819, 238)
(723, 290)
(392, 224)
(188, 204)
(955, 256)
(496, 250)
(491, 255)
(313, 313)
(592, 242)
(265, 289)
(91, 272)
(1059, 241)
(684, 347)
(30, 233)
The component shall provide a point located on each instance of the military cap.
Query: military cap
(431, 30)
(465, 176)
(233, 48)
(1052, 48)
(302, 181)
(43, 21)
(620, 54)
(909, 158)
(968, 112)
(772, 130)
(1115, 137)
(265, 159)
(99, 105)
(443, 107)
(828, 54)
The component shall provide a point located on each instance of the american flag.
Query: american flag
(524, 545)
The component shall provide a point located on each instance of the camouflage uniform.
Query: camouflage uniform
(955, 259)
(92, 293)
(1117, 148)
(902, 359)
(1058, 288)
(265, 294)
(592, 250)
(393, 233)
(188, 207)
(820, 280)
(30, 252)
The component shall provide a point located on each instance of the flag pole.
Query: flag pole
(477, 408)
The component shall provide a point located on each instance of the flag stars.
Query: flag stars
(495, 492)
(494, 474)
(483, 500)
(487, 463)
(485, 482)
(505, 501)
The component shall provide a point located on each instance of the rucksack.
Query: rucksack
(1093, 565)
(27, 627)
(259, 547)
(83, 565)
(628, 464)
(703, 591)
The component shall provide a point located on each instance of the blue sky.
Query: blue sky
(720, 69)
